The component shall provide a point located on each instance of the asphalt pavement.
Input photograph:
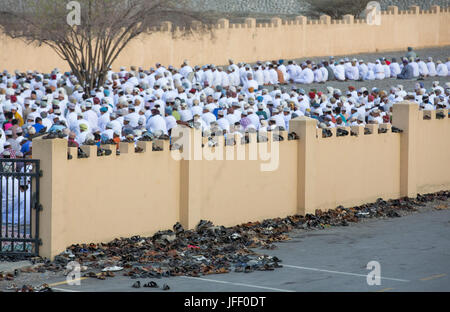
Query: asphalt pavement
(413, 253)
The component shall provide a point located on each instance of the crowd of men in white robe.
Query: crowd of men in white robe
(231, 100)
(136, 101)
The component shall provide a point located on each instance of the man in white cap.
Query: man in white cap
(273, 75)
(156, 123)
(208, 116)
(423, 69)
(90, 115)
(448, 65)
(279, 119)
(339, 71)
(116, 124)
(259, 75)
(185, 69)
(185, 112)
(352, 71)
(253, 117)
(395, 68)
(222, 122)
(441, 69)
(306, 76)
(108, 132)
(431, 67)
(415, 67)
(217, 76)
(208, 76)
(10, 139)
(133, 116)
(250, 84)
(47, 121)
(363, 69)
(199, 123)
(379, 70)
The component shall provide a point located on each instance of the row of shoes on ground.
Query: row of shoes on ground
(210, 249)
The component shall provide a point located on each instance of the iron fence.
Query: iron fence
(20, 207)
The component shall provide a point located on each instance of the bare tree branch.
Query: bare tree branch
(107, 27)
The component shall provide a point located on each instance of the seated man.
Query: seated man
(407, 71)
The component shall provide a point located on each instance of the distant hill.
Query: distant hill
(289, 7)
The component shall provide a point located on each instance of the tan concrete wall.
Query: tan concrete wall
(231, 192)
(354, 170)
(101, 198)
(433, 154)
(97, 199)
(249, 42)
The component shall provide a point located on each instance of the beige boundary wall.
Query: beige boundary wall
(100, 198)
(251, 41)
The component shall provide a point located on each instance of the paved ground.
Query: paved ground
(413, 252)
(11, 266)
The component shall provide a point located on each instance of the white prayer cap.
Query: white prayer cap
(7, 107)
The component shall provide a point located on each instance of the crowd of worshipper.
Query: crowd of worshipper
(138, 103)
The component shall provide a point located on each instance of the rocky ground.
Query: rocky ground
(208, 249)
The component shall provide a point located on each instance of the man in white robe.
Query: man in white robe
(431, 67)
(395, 68)
(352, 72)
(339, 71)
(441, 69)
(306, 76)
(379, 71)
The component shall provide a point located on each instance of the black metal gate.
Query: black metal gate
(19, 207)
